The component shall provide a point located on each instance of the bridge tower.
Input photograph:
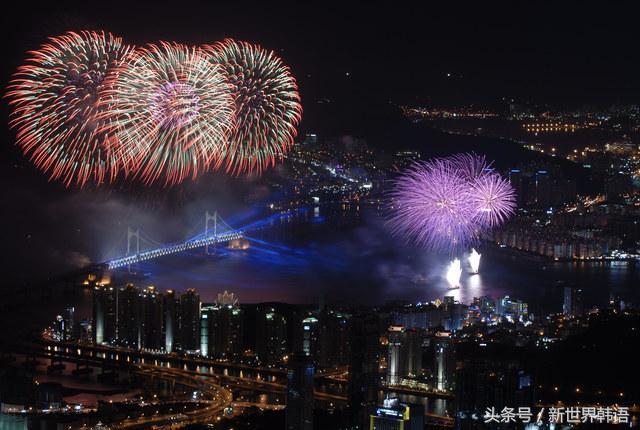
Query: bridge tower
(208, 217)
(132, 234)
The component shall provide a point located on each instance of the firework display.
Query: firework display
(447, 203)
(87, 108)
(56, 99)
(268, 106)
(493, 198)
(474, 261)
(454, 272)
(173, 110)
(492, 195)
(433, 205)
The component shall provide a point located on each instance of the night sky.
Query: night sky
(554, 51)
(360, 58)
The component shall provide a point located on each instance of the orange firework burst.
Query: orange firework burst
(173, 110)
(56, 98)
(268, 107)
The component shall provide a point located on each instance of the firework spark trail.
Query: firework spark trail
(268, 107)
(56, 99)
(447, 203)
(173, 110)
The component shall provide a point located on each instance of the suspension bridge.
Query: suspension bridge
(216, 231)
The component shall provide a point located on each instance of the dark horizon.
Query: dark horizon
(567, 54)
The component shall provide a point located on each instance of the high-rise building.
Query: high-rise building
(412, 352)
(68, 324)
(225, 331)
(444, 361)
(572, 303)
(299, 409)
(395, 365)
(171, 322)
(190, 321)
(453, 314)
(271, 336)
(129, 317)
(311, 337)
(363, 369)
(543, 189)
(515, 179)
(334, 338)
(105, 311)
(511, 309)
(152, 319)
(207, 315)
(221, 331)
(394, 415)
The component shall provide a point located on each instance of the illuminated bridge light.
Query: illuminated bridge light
(173, 249)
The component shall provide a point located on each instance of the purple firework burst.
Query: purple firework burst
(493, 198)
(448, 202)
(432, 206)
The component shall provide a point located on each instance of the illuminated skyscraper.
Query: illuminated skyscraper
(129, 317)
(412, 352)
(453, 314)
(271, 336)
(299, 410)
(511, 309)
(190, 321)
(225, 331)
(68, 324)
(311, 337)
(444, 361)
(207, 314)
(152, 319)
(395, 365)
(105, 315)
(572, 303)
(171, 320)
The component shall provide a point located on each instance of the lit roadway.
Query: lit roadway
(335, 376)
(214, 397)
(101, 353)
